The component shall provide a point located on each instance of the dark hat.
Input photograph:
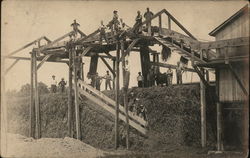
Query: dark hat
(53, 76)
(114, 11)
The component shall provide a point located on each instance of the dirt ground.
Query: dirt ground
(21, 146)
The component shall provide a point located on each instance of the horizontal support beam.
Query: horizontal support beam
(26, 58)
(170, 66)
(242, 41)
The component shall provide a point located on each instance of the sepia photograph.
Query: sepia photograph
(124, 79)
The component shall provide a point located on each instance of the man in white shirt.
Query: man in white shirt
(53, 84)
(102, 29)
(140, 79)
(108, 80)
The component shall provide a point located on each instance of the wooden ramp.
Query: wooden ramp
(109, 105)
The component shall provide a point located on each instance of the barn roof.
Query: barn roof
(239, 13)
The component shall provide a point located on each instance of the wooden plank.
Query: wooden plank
(112, 111)
(112, 102)
(81, 33)
(219, 127)
(169, 23)
(160, 25)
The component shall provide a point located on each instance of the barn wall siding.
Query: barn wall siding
(229, 89)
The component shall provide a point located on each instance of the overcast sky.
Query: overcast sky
(25, 21)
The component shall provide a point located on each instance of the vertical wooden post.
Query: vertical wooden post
(113, 74)
(169, 23)
(219, 127)
(117, 96)
(219, 112)
(203, 112)
(32, 99)
(37, 105)
(207, 76)
(70, 92)
(125, 95)
(160, 25)
(245, 122)
(77, 113)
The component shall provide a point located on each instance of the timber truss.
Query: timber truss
(201, 54)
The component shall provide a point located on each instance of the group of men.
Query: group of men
(119, 28)
(96, 81)
(153, 74)
(61, 85)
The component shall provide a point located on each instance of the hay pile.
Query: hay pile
(173, 118)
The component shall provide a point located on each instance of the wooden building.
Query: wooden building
(232, 78)
(235, 27)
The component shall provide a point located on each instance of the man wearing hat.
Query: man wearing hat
(115, 20)
(62, 85)
(53, 84)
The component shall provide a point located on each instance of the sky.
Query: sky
(25, 21)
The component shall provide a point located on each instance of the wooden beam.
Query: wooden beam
(114, 69)
(86, 37)
(179, 24)
(160, 24)
(26, 58)
(11, 66)
(129, 49)
(86, 50)
(81, 33)
(201, 76)
(43, 61)
(203, 112)
(37, 104)
(55, 41)
(235, 42)
(170, 66)
(77, 112)
(238, 79)
(32, 100)
(219, 127)
(27, 45)
(70, 99)
(108, 66)
(169, 23)
(125, 94)
(117, 96)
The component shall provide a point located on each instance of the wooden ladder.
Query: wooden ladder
(109, 105)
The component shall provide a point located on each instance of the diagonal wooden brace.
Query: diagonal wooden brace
(129, 49)
(238, 79)
(43, 60)
(108, 66)
(202, 77)
(9, 68)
